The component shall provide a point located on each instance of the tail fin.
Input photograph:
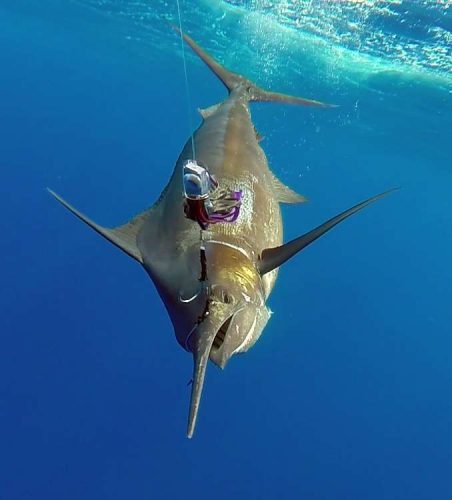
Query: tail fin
(234, 81)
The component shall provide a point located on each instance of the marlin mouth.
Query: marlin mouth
(220, 336)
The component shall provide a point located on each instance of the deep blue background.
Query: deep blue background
(348, 392)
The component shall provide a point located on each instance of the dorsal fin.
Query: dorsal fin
(259, 136)
(272, 258)
(206, 112)
(284, 194)
(124, 237)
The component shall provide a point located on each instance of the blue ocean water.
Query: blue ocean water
(348, 392)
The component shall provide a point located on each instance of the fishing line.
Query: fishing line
(187, 89)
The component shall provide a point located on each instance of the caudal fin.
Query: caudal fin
(234, 81)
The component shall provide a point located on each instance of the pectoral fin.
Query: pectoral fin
(272, 258)
(124, 237)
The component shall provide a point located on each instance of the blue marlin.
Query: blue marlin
(215, 280)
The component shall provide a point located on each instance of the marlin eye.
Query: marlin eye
(220, 294)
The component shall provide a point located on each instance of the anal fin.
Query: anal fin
(284, 194)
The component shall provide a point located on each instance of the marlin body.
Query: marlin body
(215, 282)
